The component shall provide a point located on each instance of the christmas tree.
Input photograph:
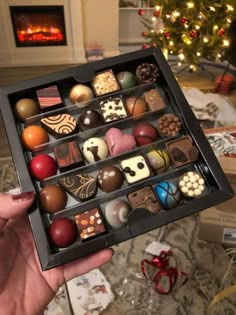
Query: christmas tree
(190, 30)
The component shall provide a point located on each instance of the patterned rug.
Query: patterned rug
(206, 264)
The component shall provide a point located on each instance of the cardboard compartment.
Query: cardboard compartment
(218, 226)
(116, 152)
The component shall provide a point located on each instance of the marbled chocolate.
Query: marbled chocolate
(82, 187)
(68, 155)
(89, 223)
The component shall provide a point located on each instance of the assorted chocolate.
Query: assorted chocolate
(129, 156)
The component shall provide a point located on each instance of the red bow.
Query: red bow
(172, 274)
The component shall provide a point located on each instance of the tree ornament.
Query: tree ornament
(158, 25)
(145, 46)
(153, 45)
(183, 20)
(193, 34)
(144, 33)
(156, 13)
(167, 35)
(221, 32)
(141, 12)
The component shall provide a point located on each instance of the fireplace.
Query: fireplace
(38, 25)
(47, 32)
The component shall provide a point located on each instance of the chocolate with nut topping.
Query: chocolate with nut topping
(147, 73)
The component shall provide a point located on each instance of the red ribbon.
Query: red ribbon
(176, 278)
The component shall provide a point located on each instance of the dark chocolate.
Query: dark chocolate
(68, 155)
(89, 223)
(144, 198)
(82, 186)
(146, 73)
(89, 119)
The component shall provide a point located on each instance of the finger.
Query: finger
(84, 265)
(12, 206)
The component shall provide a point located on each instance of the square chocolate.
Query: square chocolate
(154, 100)
(105, 82)
(68, 155)
(89, 223)
(49, 98)
(113, 109)
(135, 169)
(144, 198)
(182, 151)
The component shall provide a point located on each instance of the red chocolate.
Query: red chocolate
(144, 133)
(42, 166)
(63, 232)
(68, 155)
(89, 223)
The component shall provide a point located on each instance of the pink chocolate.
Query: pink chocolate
(118, 142)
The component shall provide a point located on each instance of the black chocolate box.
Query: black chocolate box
(122, 147)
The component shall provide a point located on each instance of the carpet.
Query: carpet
(206, 264)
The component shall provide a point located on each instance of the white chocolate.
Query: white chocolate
(191, 184)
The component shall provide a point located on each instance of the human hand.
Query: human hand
(24, 288)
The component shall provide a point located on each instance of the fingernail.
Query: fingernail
(23, 196)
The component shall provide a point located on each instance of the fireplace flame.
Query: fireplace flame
(40, 34)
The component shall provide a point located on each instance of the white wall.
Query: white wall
(101, 24)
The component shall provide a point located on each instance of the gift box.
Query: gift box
(112, 150)
(218, 226)
(223, 84)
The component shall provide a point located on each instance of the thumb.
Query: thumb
(12, 206)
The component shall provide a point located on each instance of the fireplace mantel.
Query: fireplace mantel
(82, 21)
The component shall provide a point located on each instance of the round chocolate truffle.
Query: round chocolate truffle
(168, 194)
(63, 232)
(52, 199)
(136, 105)
(126, 79)
(94, 150)
(169, 125)
(89, 119)
(146, 73)
(34, 136)
(25, 108)
(110, 178)
(42, 166)
(116, 213)
(80, 95)
(191, 184)
(144, 133)
(159, 160)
